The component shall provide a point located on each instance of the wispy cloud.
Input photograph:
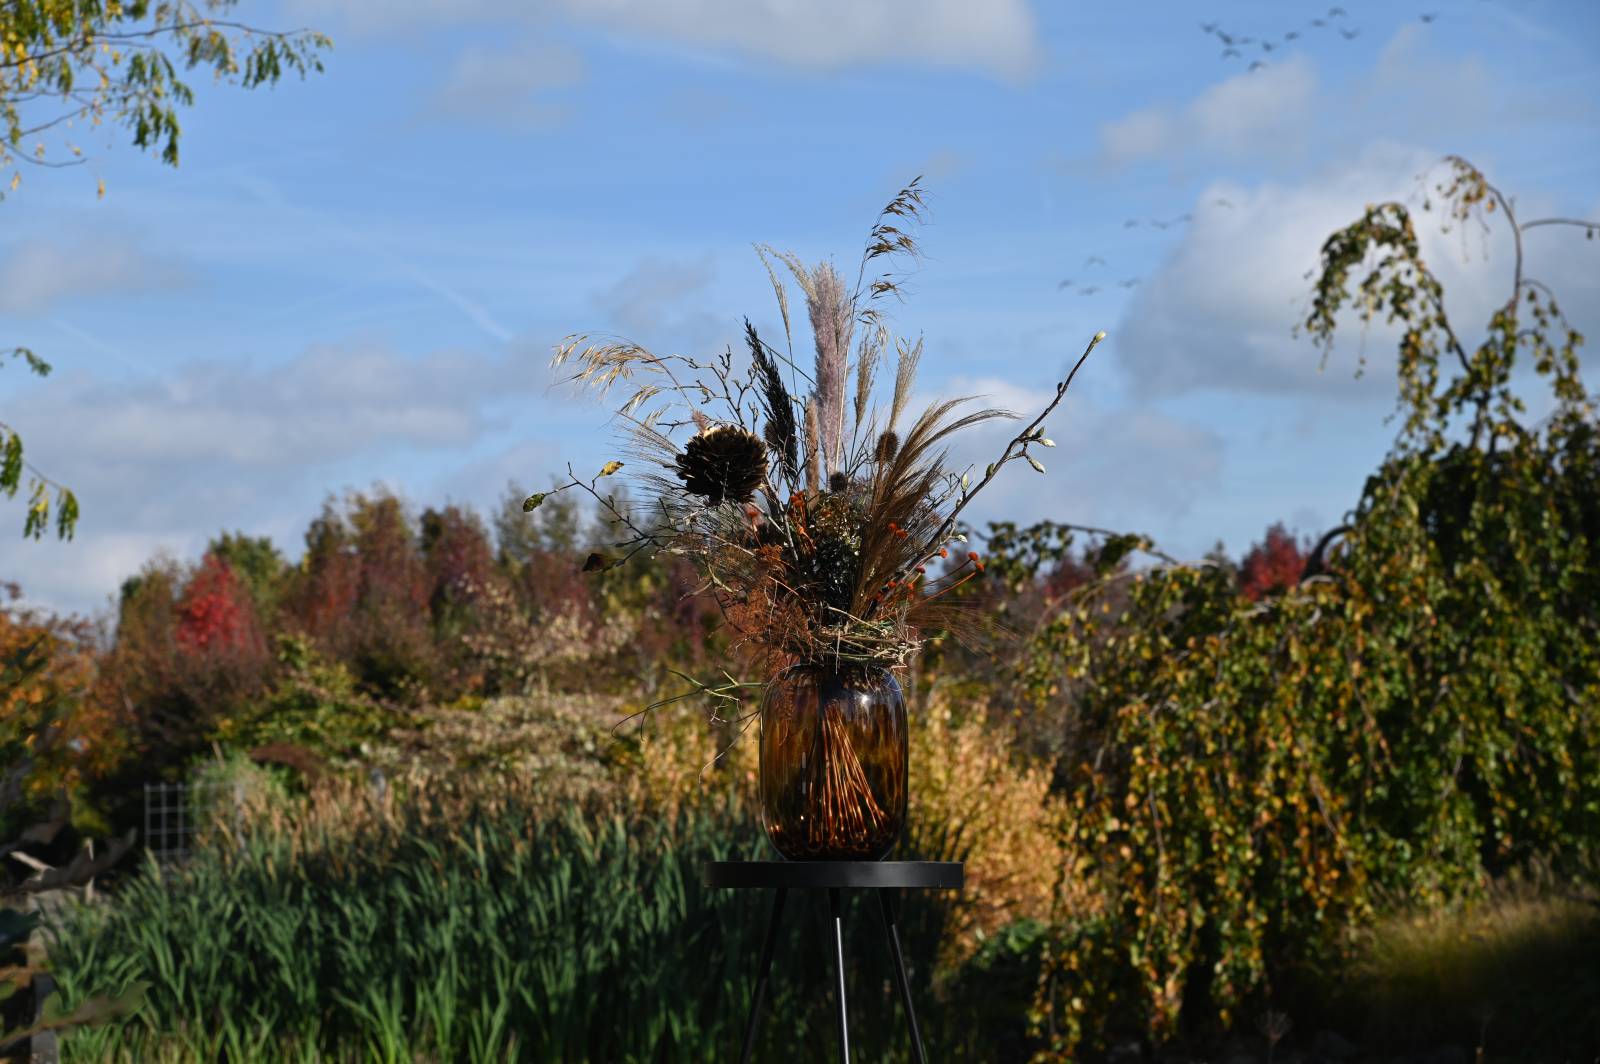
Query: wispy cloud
(220, 444)
(654, 291)
(39, 274)
(269, 193)
(510, 87)
(997, 37)
(1247, 115)
(1217, 316)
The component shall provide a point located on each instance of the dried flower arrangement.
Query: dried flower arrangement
(814, 519)
(813, 516)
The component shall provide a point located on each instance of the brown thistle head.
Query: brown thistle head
(723, 463)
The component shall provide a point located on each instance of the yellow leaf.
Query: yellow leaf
(610, 468)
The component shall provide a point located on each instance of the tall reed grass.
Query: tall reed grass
(493, 934)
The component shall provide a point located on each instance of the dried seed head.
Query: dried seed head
(723, 463)
(888, 446)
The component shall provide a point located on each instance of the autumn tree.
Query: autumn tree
(458, 556)
(1275, 563)
(69, 67)
(189, 649)
(259, 565)
(362, 592)
(51, 740)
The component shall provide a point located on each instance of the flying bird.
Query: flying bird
(1224, 38)
(1094, 260)
(1335, 12)
(1246, 40)
(1226, 52)
(1208, 27)
(1318, 23)
(1064, 284)
(1257, 65)
(1349, 35)
(1223, 203)
(1129, 283)
(1267, 46)
(1130, 223)
(1089, 291)
(1292, 35)
(1159, 225)
(1429, 18)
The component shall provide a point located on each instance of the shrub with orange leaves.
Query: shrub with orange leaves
(52, 738)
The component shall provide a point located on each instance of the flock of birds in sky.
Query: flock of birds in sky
(1233, 44)
(1335, 19)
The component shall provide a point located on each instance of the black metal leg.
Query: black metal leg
(886, 906)
(767, 949)
(835, 904)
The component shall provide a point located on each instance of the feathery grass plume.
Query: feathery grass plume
(904, 513)
(904, 374)
(762, 251)
(813, 447)
(889, 239)
(832, 320)
(781, 432)
(868, 355)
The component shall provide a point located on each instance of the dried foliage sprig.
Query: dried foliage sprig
(814, 519)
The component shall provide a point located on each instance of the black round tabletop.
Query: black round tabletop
(928, 875)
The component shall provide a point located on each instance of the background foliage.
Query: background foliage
(1345, 780)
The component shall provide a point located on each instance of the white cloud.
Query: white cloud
(167, 464)
(1218, 313)
(998, 37)
(511, 86)
(37, 274)
(1285, 113)
(326, 404)
(1132, 467)
(1264, 112)
(652, 293)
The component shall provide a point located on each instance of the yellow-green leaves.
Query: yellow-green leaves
(534, 501)
(610, 468)
(62, 50)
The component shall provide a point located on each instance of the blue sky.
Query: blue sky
(359, 278)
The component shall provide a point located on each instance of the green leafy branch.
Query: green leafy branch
(13, 464)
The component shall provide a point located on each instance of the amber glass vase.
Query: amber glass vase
(833, 763)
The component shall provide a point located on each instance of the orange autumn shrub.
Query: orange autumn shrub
(975, 799)
(53, 738)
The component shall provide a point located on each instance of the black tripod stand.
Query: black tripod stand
(885, 877)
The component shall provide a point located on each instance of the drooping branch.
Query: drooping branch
(1591, 227)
